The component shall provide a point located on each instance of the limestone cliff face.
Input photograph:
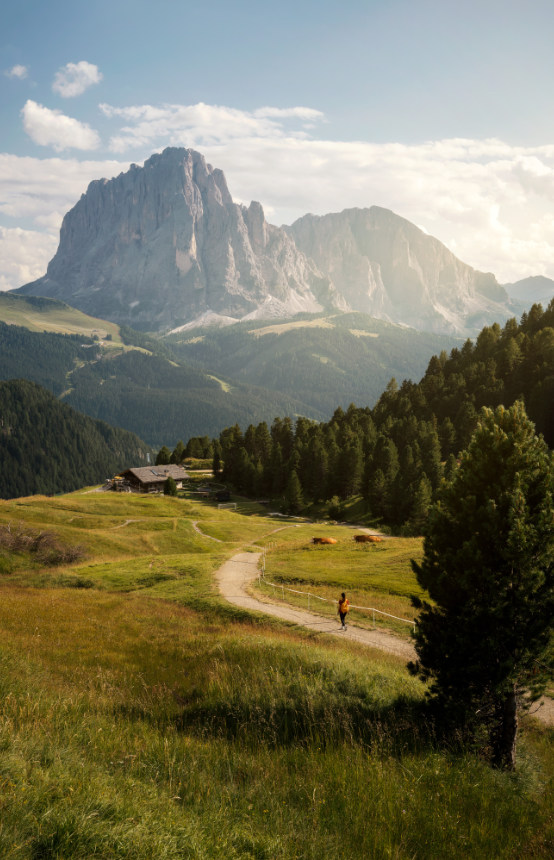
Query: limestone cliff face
(162, 244)
(385, 266)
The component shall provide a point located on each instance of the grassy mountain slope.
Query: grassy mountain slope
(47, 447)
(142, 717)
(42, 314)
(42, 357)
(324, 361)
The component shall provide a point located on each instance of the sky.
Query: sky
(441, 110)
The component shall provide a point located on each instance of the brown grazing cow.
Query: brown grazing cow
(367, 539)
(323, 540)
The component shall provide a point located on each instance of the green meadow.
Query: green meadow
(143, 717)
(43, 314)
(376, 576)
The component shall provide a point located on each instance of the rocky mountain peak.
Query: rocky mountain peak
(385, 266)
(164, 244)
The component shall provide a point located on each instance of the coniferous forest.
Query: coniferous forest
(47, 447)
(395, 454)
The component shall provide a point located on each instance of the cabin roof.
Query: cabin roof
(153, 474)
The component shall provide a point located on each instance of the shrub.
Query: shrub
(44, 546)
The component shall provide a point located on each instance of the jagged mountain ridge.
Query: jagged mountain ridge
(387, 267)
(164, 244)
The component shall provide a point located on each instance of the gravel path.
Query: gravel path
(233, 577)
(200, 532)
(242, 568)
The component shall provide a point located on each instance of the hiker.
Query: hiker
(344, 606)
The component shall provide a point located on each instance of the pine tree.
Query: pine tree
(489, 566)
(216, 463)
(178, 453)
(276, 471)
(350, 466)
(293, 496)
(163, 456)
(263, 443)
(317, 468)
(420, 505)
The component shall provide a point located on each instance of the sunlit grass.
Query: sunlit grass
(55, 317)
(131, 728)
(373, 575)
(141, 717)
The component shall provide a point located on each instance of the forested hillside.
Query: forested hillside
(324, 362)
(395, 454)
(162, 400)
(149, 394)
(46, 447)
(41, 356)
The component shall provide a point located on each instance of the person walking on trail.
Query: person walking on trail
(344, 606)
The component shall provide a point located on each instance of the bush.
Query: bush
(45, 546)
(335, 509)
(170, 487)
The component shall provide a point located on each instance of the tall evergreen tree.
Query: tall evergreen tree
(293, 496)
(317, 468)
(420, 505)
(489, 566)
(216, 463)
(276, 471)
(178, 454)
(163, 457)
(263, 443)
(350, 466)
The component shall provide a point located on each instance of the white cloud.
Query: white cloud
(44, 189)
(40, 191)
(284, 113)
(53, 128)
(74, 78)
(19, 72)
(203, 125)
(492, 204)
(24, 254)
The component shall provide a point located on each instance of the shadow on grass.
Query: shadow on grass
(405, 726)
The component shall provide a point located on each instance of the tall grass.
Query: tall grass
(142, 718)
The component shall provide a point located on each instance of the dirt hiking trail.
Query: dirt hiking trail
(236, 573)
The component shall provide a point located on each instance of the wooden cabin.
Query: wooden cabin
(151, 479)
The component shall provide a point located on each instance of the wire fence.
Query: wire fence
(282, 588)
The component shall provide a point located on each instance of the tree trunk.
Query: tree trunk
(504, 746)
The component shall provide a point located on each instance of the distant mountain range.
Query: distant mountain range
(164, 246)
(247, 320)
(194, 383)
(529, 291)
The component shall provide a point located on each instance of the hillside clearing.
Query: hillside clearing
(141, 715)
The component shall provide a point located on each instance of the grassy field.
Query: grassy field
(376, 576)
(54, 316)
(141, 717)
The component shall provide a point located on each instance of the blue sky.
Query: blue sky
(439, 110)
